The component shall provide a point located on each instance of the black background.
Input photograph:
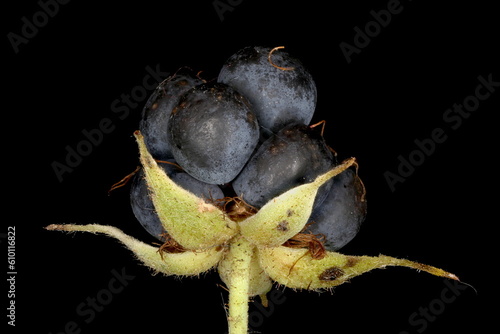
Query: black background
(393, 92)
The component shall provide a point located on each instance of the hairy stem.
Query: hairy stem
(239, 284)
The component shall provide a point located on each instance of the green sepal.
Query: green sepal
(295, 268)
(189, 220)
(182, 264)
(286, 215)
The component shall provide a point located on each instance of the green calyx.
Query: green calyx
(249, 254)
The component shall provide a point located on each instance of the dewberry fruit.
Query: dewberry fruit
(281, 91)
(212, 132)
(156, 112)
(342, 212)
(295, 155)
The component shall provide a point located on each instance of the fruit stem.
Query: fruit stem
(239, 284)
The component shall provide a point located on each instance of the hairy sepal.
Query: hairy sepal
(286, 215)
(295, 268)
(182, 264)
(189, 220)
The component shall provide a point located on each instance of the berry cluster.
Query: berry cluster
(235, 178)
(247, 136)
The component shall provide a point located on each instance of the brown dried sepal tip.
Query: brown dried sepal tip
(271, 62)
